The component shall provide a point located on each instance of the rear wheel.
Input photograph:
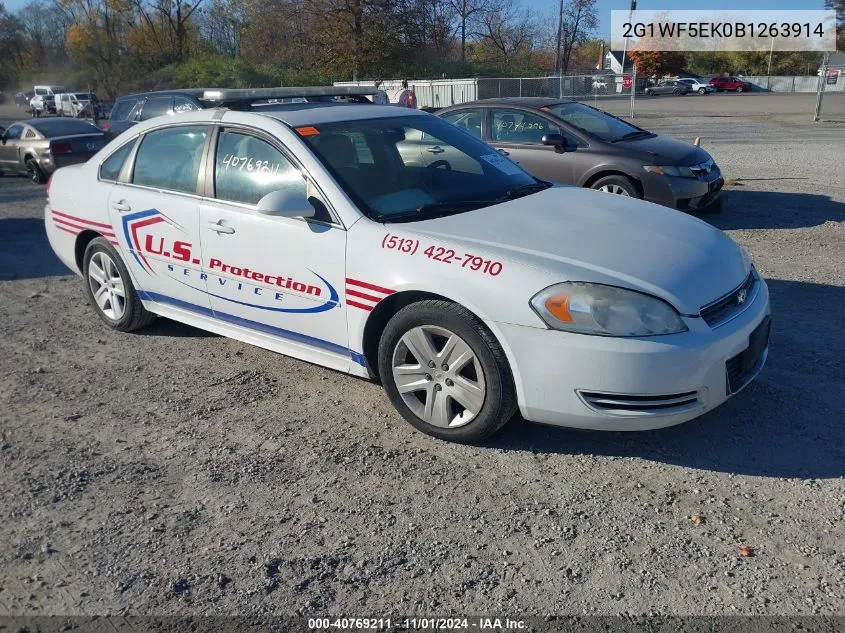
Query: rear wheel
(110, 290)
(34, 172)
(701, 91)
(445, 372)
(739, 89)
(619, 185)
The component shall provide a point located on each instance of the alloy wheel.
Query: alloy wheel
(107, 286)
(438, 376)
(617, 189)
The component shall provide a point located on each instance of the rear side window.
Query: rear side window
(181, 104)
(122, 109)
(170, 158)
(156, 106)
(110, 169)
(30, 134)
(516, 126)
(246, 169)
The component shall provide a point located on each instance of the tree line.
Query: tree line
(117, 46)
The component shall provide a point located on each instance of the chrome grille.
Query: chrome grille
(639, 405)
(733, 303)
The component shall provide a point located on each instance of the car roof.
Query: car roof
(529, 102)
(297, 114)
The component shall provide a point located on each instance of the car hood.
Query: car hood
(663, 150)
(583, 235)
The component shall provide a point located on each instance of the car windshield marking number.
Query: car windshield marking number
(502, 164)
(245, 162)
(442, 254)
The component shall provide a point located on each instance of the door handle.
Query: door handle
(121, 206)
(219, 227)
(435, 150)
(503, 152)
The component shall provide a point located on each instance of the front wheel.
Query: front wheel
(739, 89)
(619, 185)
(701, 91)
(445, 372)
(110, 290)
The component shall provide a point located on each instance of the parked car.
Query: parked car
(734, 84)
(74, 104)
(599, 84)
(37, 147)
(696, 86)
(22, 99)
(573, 143)
(667, 87)
(470, 288)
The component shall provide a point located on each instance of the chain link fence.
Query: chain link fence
(572, 86)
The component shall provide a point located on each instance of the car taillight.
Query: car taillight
(105, 127)
(61, 148)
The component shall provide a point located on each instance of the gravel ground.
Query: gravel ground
(175, 472)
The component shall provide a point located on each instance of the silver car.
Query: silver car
(37, 147)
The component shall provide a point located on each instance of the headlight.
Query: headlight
(670, 170)
(588, 308)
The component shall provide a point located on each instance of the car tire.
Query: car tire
(104, 274)
(480, 389)
(739, 88)
(616, 184)
(702, 91)
(34, 172)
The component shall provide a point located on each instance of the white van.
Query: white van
(72, 103)
(36, 104)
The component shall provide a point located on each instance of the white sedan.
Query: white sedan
(696, 86)
(387, 243)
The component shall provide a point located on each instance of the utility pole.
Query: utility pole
(625, 47)
(558, 64)
(822, 81)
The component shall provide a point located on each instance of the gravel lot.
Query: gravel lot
(175, 472)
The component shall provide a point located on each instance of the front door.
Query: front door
(282, 278)
(156, 217)
(9, 149)
(518, 134)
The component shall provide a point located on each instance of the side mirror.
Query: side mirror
(286, 204)
(558, 141)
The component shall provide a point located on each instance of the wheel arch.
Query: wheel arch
(385, 309)
(603, 173)
(82, 241)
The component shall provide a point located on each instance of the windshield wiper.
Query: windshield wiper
(631, 135)
(438, 210)
(527, 190)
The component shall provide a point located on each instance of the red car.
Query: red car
(730, 83)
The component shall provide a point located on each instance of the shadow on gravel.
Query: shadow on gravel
(166, 327)
(21, 191)
(746, 209)
(25, 252)
(790, 422)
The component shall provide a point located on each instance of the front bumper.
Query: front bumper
(685, 194)
(561, 376)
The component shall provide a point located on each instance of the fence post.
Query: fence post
(633, 86)
(793, 84)
(820, 90)
(520, 86)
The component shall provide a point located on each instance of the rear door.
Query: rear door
(155, 211)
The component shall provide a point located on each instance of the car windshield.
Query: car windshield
(51, 128)
(123, 108)
(595, 122)
(82, 96)
(414, 167)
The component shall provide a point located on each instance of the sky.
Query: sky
(606, 6)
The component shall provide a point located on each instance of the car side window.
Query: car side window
(516, 126)
(110, 168)
(156, 106)
(467, 120)
(170, 158)
(14, 132)
(246, 169)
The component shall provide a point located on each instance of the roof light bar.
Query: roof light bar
(242, 95)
